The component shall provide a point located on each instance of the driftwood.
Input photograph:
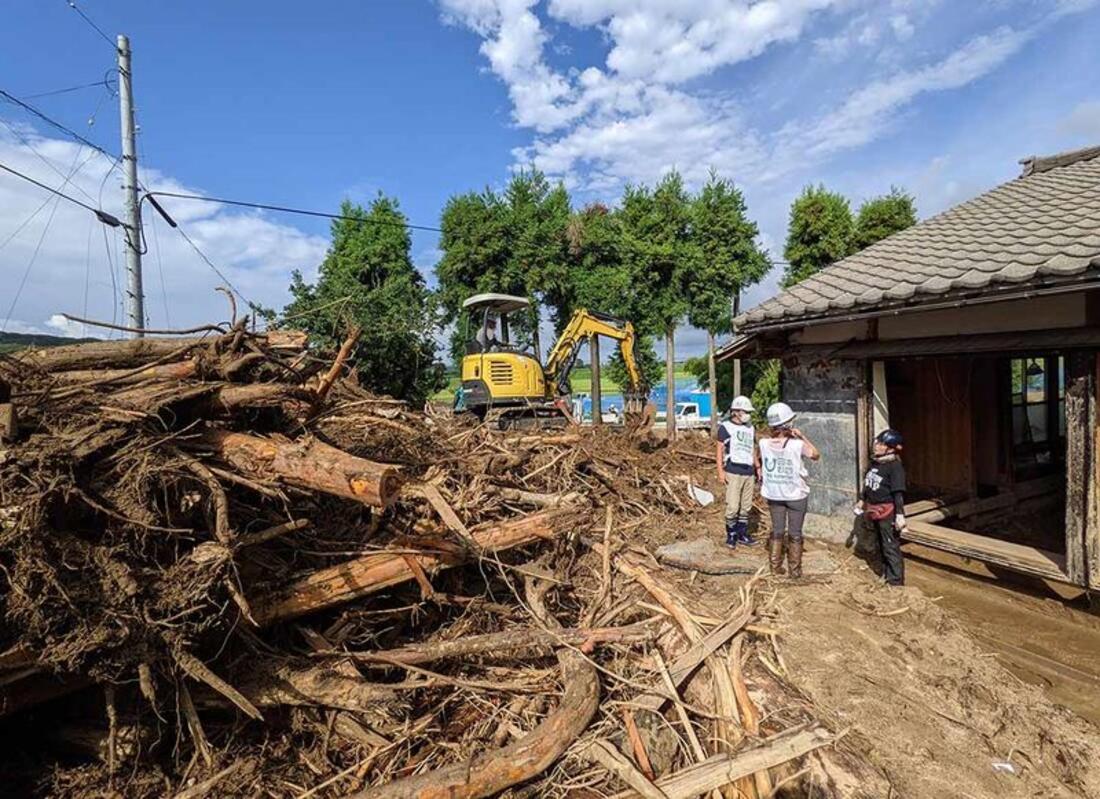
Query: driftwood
(724, 769)
(306, 463)
(370, 573)
(315, 686)
(180, 370)
(604, 754)
(506, 643)
(492, 772)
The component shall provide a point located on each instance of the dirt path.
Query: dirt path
(1046, 639)
(929, 704)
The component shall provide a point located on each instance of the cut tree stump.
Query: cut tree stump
(306, 463)
(370, 573)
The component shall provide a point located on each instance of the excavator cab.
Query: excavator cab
(496, 371)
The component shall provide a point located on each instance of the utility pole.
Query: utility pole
(135, 300)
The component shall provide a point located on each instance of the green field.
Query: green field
(580, 381)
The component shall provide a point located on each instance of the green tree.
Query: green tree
(511, 243)
(754, 372)
(474, 242)
(820, 232)
(368, 279)
(884, 216)
(659, 254)
(729, 260)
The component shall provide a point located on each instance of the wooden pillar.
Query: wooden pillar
(670, 383)
(1080, 474)
(1092, 521)
(713, 381)
(864, 423)
(597, 393)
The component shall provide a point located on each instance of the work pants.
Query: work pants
(739, 490)
(787, 517)
(882, 533)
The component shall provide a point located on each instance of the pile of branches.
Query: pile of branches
(249, 576)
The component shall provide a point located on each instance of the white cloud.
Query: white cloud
(254, 252)
(867, 112)
(1083, 122)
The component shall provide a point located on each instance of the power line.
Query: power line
(105, 83)
(95, 27)
(55, 124)
(282, 208)
(210, 263)
(102, 216)
(26, 143)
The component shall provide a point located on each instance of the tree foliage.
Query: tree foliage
(819, 233)
(368, 279)
(884, 216)
(727, 259)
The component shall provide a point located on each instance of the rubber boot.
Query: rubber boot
(775, 555)
(731, 534)
(794, 557)
(743, 536)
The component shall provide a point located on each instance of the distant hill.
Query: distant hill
(10, 342)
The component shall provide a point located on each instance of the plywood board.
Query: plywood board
(1016, 557)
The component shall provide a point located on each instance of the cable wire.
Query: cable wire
(210, 263)
(11, 98)
(286, 209)
(101, 215)
(27, 143)
(96, 28)
(105, 83)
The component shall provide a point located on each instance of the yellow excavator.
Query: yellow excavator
(507, 385)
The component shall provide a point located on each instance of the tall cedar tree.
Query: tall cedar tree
(510, 243)
(475, 256)
(660, 256)
(729, 260)
(884, 216)
(368, 279)
(601, 281)
(820, 232)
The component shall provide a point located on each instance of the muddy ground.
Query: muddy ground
(960, 684)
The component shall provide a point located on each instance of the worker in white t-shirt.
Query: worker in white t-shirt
(783, 485)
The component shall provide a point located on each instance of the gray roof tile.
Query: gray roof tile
(1045, 223)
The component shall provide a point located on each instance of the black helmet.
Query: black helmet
(891, 438)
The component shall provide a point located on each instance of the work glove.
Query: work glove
(899, 523)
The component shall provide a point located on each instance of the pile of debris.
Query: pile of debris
(251, 577)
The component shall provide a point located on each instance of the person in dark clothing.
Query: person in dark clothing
(882, 503)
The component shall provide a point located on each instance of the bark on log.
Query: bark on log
(535, 498)
(503, 643)
(306, 463)
(108, 354)
(316, 686)
(229, 399)
(370, 573)
(181, 370)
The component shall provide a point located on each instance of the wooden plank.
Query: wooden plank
(597, 393)
(969, 507)
(1079, 391)
(1016, 557)
(863, 424)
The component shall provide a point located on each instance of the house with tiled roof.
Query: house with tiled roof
(975, 333)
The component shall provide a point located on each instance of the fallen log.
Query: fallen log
(507, 642)
(535, 498)
(720, 770)
(370, 573)
(108, 354)
(306, 463)
(497, 770)
(180, 370)
(313, 687)
(602, 753)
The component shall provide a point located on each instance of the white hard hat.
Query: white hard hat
(779, 414)
(742, 403)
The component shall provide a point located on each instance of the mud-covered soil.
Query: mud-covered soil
(927, 700)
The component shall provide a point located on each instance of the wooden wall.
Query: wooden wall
(931, 404)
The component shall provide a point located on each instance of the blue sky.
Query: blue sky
(305, 104)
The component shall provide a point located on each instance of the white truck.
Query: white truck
(688, 417)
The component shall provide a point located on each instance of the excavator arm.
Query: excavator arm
(582, 325)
